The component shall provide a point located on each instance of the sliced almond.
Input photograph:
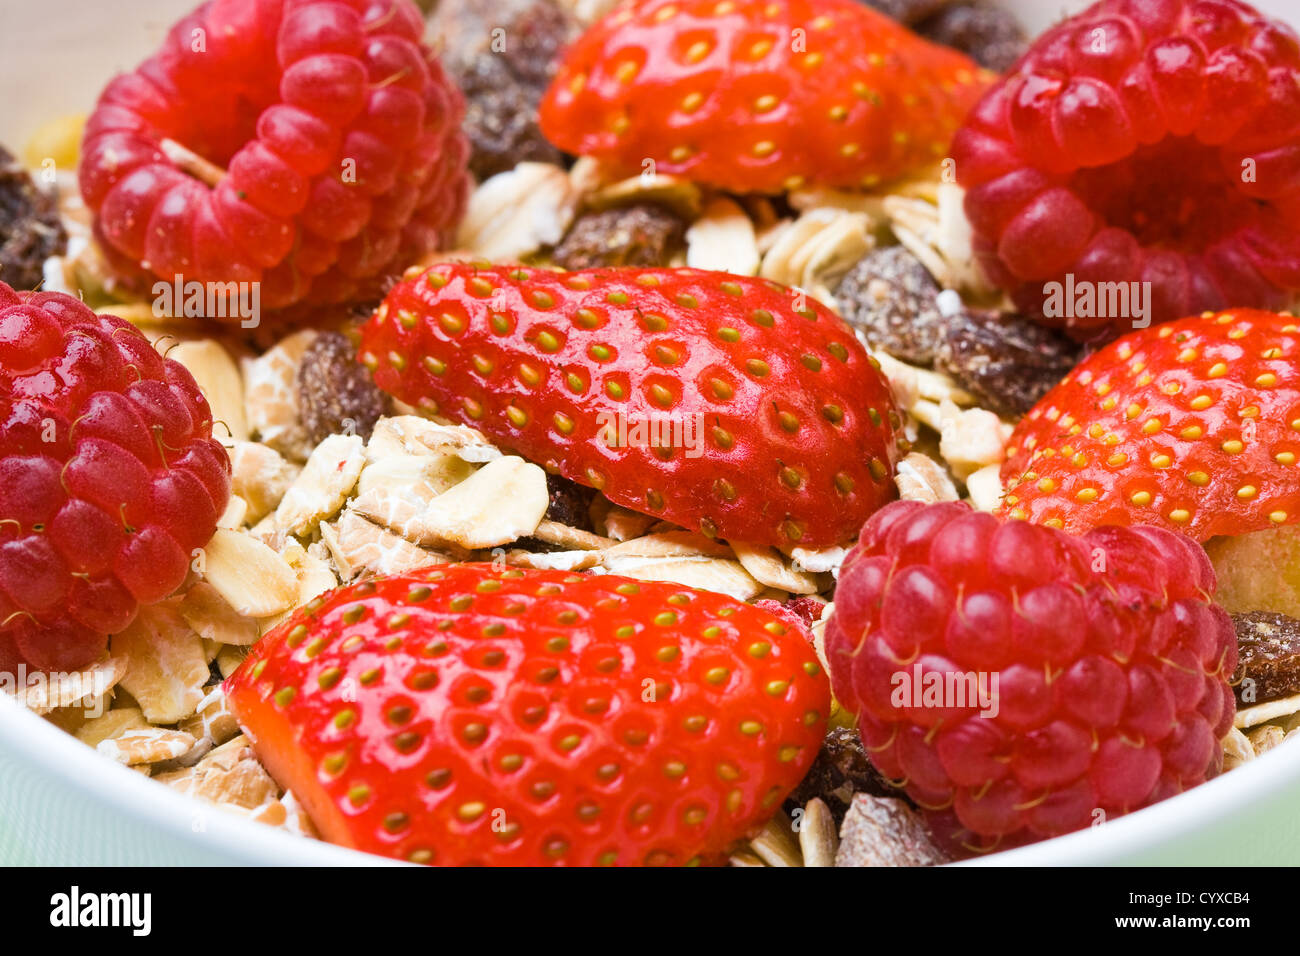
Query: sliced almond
(229, 658)
(395, 490)
(166, 663)
(1263, 713)
(326, 480)
(818, 561)
(233, 516)
(219, 379)
(766, 566)
(260, 475)
(213, 619)
(271, 395)
(501, 502)
(147, 745)
(970, 439)
(518, 212)
(554, 560)
(775, 843)
(722, 239)
(252, 578)
(415, 435)
(818, 839)
(212, 721)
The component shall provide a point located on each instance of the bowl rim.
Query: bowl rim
(33, 740)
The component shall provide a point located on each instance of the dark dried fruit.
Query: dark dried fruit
(30, 228)
(570, 503)
(989, 35)
(908, 11)
(1008, 363)
(880, 831)
(889, 297)
(1268, 648)
(335, 394)
(502, 54)
(840, 770)
(646, 234)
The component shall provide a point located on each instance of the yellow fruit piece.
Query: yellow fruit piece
(1259, 571)
(58, 140)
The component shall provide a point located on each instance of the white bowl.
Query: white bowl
(62, 803)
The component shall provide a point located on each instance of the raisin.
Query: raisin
(335, 394)
(503, 54)
(30, 228)
(1007, 362)
(840, 770)
(908, 11)
(646, 234)
(1269, 647)
(889, 298)
(989, 35)
(570, 503)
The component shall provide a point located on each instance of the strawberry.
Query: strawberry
(1193, 425)
(759, 95)
(722, 403)
(464, 715)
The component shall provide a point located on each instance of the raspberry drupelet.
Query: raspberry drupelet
(313, 146)
(1106, 662)
(109, 478)
(1142, 141)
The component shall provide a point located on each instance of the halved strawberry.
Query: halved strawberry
(759, 95)
(761, 417)
(465, 715)
(1193, 425)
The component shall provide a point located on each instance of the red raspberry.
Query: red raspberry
(1111, 665)
(1142, 141)
(339, 136)
(109, 478)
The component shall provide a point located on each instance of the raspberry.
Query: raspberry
(109, 478)
(1111, 665)
(1154, 141)
(310, 145)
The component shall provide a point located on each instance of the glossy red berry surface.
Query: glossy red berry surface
(109, 478)
(472, 715)
(1151, 141)
(1104, 662)
(338, 134)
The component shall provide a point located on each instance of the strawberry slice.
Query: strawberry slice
(723, 403)
(759, 95)
(1193, 425)
(463, 715)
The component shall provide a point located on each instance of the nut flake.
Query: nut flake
(166, 663)
(47, 692)
(110, 725)
(816, 251)
(984, 485)
(326, 480)
(251, 577)
(519, 212)
(213, 619)
(722, 239)
(818, 840)
(766, 565)
(775, 844)
(219, 378)
(970, 439)
(504, 500)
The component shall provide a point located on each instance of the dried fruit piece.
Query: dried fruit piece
(889, 298)
(1258, 571)
(503, 54)
(841, 769)
(643, 234)
(1268, 645)
(570, 503)
(31, 229)
(885, 831)
(1006, 362)
(335, 394)
(986, 32)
